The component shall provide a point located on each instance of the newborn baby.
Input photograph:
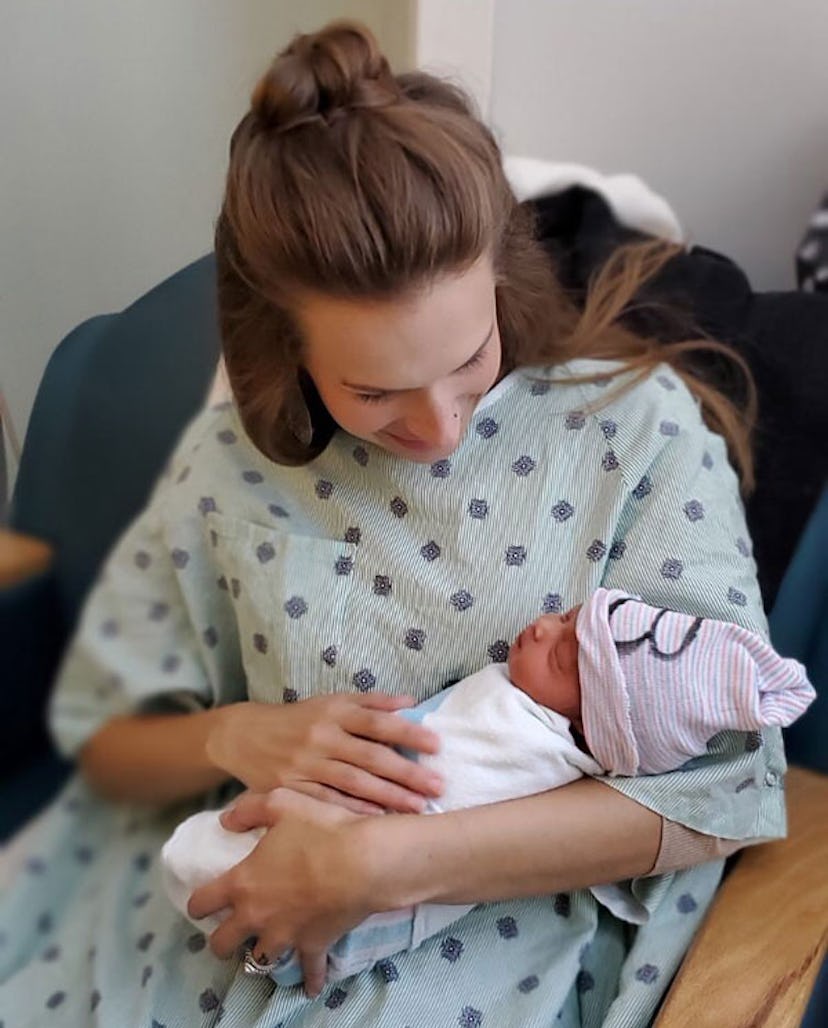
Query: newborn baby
(612, 687)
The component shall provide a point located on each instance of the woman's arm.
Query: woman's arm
(570, 838)
(320, 870)
(337, 747)
(154, 759)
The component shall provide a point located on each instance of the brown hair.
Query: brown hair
(347, 180)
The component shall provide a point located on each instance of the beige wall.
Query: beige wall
(721, 105)
(114, 122)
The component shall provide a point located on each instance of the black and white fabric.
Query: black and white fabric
(812, 255)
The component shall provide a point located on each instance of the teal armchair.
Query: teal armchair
(114, 398)
(115, 395)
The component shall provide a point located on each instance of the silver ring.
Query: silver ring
(252, 965)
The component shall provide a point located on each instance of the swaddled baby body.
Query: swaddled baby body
(613, 687)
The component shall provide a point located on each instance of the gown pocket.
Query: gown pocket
(290, 595)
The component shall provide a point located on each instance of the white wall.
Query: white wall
(114, 124)
(721, 105)
(115, 117)
(454, 40)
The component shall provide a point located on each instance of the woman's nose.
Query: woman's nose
(434, 419)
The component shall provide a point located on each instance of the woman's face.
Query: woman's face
(406, 374)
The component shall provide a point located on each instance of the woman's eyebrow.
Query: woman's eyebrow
(378, 389)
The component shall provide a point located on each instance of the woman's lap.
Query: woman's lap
(87, 931)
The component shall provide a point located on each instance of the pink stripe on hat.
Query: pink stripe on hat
(657, 685)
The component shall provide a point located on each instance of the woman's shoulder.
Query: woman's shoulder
(598, 386)
(634, 416)
(215, 468)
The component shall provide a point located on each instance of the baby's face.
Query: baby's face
(543, 662)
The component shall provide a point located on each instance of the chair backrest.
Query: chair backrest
(799, 628)
(114, 398)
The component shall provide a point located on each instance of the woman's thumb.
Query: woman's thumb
(248, 811)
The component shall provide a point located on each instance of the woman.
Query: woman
(427, 447)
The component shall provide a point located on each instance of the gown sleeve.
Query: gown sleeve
(682, 543)
(156, 634)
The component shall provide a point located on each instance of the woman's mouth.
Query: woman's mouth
(409, 443)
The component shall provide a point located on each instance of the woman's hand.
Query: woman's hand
(336, 748)
(305, 884)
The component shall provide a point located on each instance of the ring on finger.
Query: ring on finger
(260, 964)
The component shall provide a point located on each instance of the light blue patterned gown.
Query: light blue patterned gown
(364, 571)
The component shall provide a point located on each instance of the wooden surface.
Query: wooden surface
(756, 956)
(21, 557)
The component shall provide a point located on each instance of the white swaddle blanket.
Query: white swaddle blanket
(496, 743)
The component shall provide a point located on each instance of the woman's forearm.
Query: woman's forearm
(582, 834)
(154, 759)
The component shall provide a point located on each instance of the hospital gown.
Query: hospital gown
(364, 571)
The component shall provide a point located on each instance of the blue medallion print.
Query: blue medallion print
(343, 565)
(644, 488)
(382, 585)
(295, 607)
(596, 550)
(647, 973)
(498, 651)
(431, 551)
(562, 511)
(515, 556)
(524, 466)
(672, 568)
(414, 638)
(363, 680)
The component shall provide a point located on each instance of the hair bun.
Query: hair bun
(322, 75)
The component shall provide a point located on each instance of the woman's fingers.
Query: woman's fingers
(347, 777)
(381, 700)
(210, 898)
(387, 763)
(379, 726)
(341, 799)
(228, 937)
(251, 810)
(314, 970)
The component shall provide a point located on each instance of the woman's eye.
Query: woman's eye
(372, 397)
(472, 362)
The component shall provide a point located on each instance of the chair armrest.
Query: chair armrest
(21, 557)
(759, 950)
(30, 642)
